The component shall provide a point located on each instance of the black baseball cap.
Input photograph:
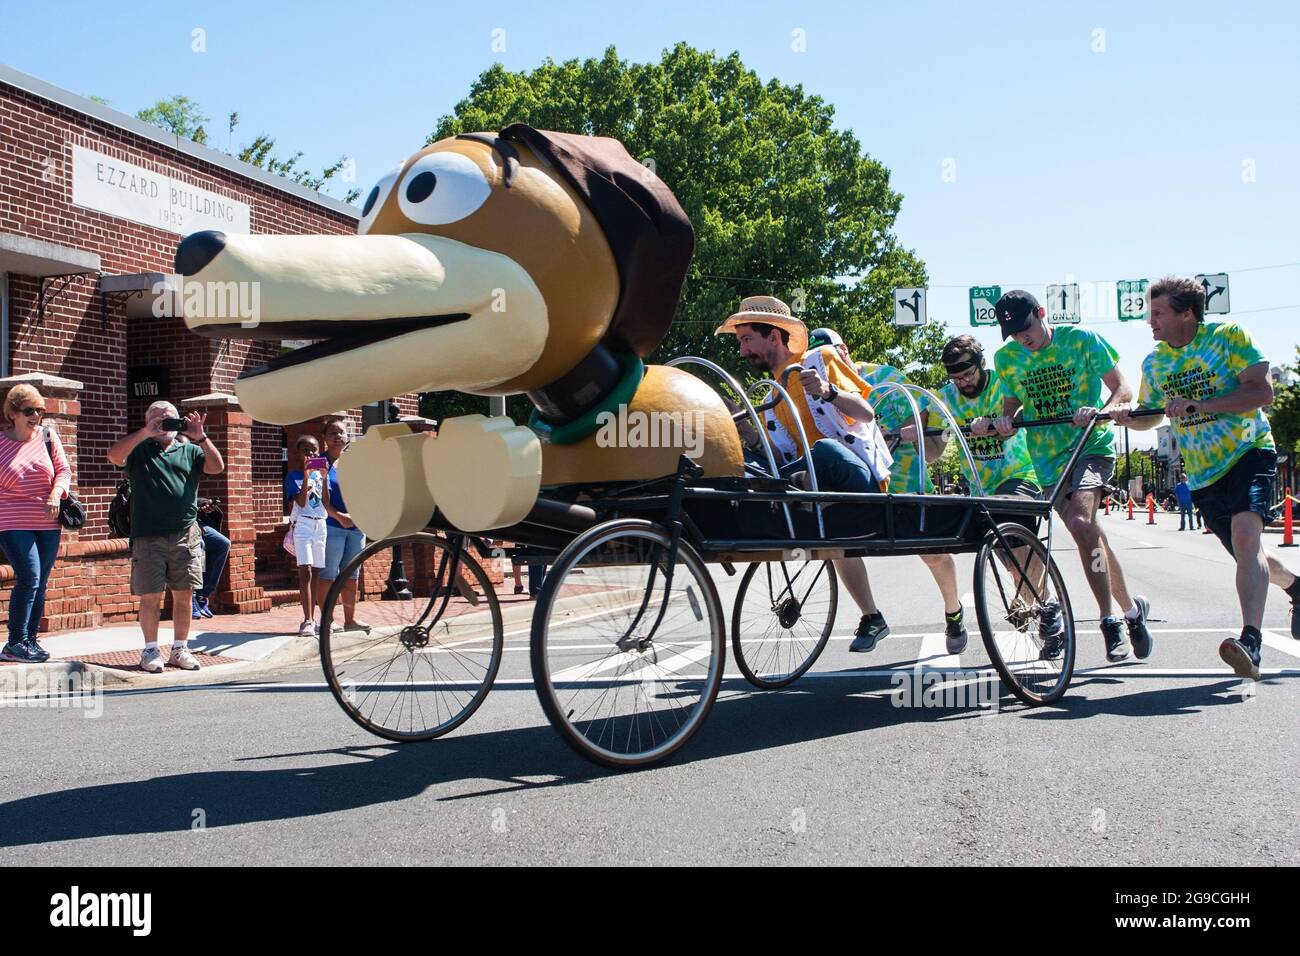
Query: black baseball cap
(1013, 311)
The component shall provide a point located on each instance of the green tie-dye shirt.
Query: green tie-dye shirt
(1207, 367)
(996, 461)
(892, 413)
(1058, 380)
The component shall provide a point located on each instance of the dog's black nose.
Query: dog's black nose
(197, 250)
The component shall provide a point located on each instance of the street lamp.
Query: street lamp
(398, 588)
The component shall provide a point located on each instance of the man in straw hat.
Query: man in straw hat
(906, 476)
(848, 452)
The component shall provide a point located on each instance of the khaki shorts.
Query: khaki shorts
(1091, 473)
(167, 560)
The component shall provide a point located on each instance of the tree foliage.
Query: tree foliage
(184, 117)
(1284, 415)
(783, 203)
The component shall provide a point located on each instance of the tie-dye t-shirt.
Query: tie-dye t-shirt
(1207, 367)
(1054, 381)
(893, 412)
(996, 461)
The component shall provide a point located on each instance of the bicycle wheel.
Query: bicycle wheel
(427, 662)
(782, 620)
(626, 663)
(1024, 614)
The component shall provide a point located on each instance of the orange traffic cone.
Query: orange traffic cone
(1287, 526)
(1151, 509)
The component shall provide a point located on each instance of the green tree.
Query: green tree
(179, 114)
(184, 117)
(783, 203)
(1284, 415)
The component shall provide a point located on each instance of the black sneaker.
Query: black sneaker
(20, 653)
(1295, 619)
(42, 654)
(1117, 646)
(1242, 654)
(1137, 629)
(955, 632)
(1051, 631)
(870, 630)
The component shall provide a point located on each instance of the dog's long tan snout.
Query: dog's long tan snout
(399, 313)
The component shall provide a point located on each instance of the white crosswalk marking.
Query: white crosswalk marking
(1285, 644)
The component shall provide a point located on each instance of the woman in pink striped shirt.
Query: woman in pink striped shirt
(34, 478)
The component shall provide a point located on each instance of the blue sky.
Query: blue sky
(1167, 142)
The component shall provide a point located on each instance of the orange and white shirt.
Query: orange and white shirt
(27, 476)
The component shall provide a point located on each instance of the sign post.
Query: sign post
(1063, 304)
(909, 307)
(1215, 285)
(983, 298)
(1131, 299)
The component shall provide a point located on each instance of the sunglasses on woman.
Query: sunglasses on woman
(29, 412)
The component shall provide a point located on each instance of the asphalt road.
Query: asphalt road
(1169, 761)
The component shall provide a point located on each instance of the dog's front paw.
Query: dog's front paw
(483, 472)
(382, 479)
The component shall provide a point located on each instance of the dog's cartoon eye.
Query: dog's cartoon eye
(442, 187)
(376, 199)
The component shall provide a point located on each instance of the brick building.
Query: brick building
(92, 205)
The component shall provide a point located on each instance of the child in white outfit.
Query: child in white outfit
(307, 491)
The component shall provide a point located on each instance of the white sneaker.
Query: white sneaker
(308, 629)
(151, 661)
(182, 658)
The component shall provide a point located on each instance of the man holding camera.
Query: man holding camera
(166, 549)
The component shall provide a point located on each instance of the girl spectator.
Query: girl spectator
(34, 478)
(306, 488)
(344, 539)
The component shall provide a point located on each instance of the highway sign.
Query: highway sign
(1131, 297)
(1215, 285)
(982, 300)
(1062, 303)
(909, 307)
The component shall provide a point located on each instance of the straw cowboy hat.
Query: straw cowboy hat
(771, 310)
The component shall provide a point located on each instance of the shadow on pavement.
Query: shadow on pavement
(381, 773)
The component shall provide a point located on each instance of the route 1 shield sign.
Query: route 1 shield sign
(1062, 303)
(982, 300)
(909, 307)
(1131, 297)
(1215, 285)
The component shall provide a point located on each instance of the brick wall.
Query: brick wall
(79, 339)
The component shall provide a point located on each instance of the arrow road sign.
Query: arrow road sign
(1215, 285)
(1063, 303)
(1131, 296)
(909, 307)
(982, 300)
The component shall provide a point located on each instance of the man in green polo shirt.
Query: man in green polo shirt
(1058, 372)
(1212, 381)
(166, 542)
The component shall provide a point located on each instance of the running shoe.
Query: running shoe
(1242, 654)
(1137, 629)
(870, 630)
(20, 653)
(1295, 619)
(42, 654)
(183, 658)
(1051, 631)
(1117, 646)
(151, 660)
(955, 632)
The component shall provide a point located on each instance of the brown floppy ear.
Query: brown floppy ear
(647, 230)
